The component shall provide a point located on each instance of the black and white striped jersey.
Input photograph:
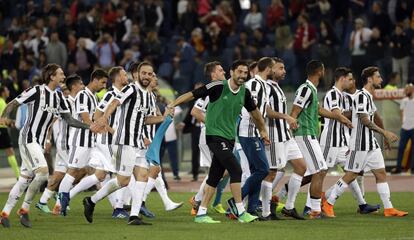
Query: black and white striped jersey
(149, 130)
(134, 108)
(278, 129)
(106, 138)
(202, 104)
(43, 105)
(362, 138)
(348, 100)
(85, 102)
(257, 88)
(61, 131)
(333, 132)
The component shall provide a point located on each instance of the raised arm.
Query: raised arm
(11, 106)
(73, 122)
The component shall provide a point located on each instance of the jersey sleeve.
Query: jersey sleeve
(199, 104)
(28, 95)
(303, 95)
(106, 100)
(249, 102)
(125, 94)
(213, 90)
(63, 103)
(81, 103)
(332, 98)
(361, 104)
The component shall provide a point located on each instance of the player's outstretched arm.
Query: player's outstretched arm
(11, 106)
(335, 114)
(73, 122)
(186, 97)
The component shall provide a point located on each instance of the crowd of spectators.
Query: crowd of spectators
(180, 36)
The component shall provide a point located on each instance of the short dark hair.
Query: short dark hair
(2, 89)
(341, 72)
(366, 73)
(238, 63)
(209, 68)
(48, 71)
(252, 65)
(313, 66)
(72, 80)
(278, 60)
(135, 67)
(114, 72)
(264, 63)
(99, 73)
(394, 75)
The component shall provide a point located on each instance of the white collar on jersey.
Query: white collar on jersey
(310, 83)
(259, 78)
(336, 89)
(271, 82)
(139, 86)
(116, 90)
(89, 91)
(47, 88)
(231, 90)
(71, 98)
(365, 90)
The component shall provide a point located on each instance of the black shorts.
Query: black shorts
(5, 141)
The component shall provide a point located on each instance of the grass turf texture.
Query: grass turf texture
(179, 224)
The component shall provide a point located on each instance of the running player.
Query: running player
(44, 103)
(365, 150)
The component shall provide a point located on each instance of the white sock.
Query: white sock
(360, 180)
(47, 194)
(266, 192)
(329, 191)
(34, 187)
(338, 190)
(279, 176)
(119, 203)
(15, 193)
(162, 191)
(294, 187)
(240, 208)
(200, 193)
(308, 199)
(148, 188)
(112, 199)
(315, 204)
(127, 197)
(110, 187)
(202, 211)
(356, 192)
(282, 192)
(137, 195)
(83, 185)
(66, 183)
(384, 192)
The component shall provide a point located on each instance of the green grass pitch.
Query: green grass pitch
(179, 224)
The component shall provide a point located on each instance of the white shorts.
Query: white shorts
(124, 159)
(61, 160)
(365, 160)
(102, 158)
(279, 153)
(79, 156)
(32, 158)
(205, 154)
(141, 160)
(335, 155)
(312, 153)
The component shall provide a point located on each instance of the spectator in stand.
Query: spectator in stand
(197, 42)
(305, 37)
(204, 8)
(295, 8)
(324, 9)
(215, 40)
(189, 19)
(106, 51)
(357, 7)
(407, 128)
(134, 38)
(275, 14)
(38, 43)
(402, 11)
(326, 49)
(151, 48)
(376, 48)
(254, 19)
(223, 16)
(56, 51)
(153, 15)
(123, 26)
(380, 19)
(83, 58)
(86, 24)
(359, 37)
(10, 56)
(394, 81)
(400, 51)
(109, 17)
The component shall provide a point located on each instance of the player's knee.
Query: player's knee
(123, 181)
(213, 181)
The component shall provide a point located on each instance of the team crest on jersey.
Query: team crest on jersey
(49, 109)
(141, 109)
